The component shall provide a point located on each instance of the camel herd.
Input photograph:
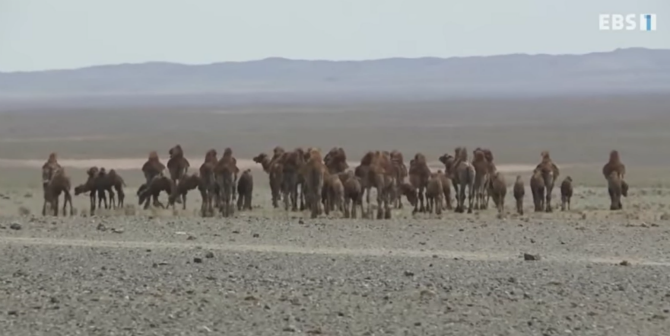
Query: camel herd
(307, 180)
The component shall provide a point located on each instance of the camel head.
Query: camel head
(518, 178)
(367, 158)
(102, 171)
(545, 155)
(260, 158)
(444, 158)
(278, 150)
(614, 156)
(419, 158)
(47, 173)
(92, 172)
(409, 192)
(80, 189)
(52, 158)
(176, 151)
(488, 155)
(228, 152)
(568, 179)
(478, 156)
(153, 156)
(210, 155)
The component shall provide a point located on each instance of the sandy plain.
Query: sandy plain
(267, 272)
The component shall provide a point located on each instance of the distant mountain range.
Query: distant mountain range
(620, 71)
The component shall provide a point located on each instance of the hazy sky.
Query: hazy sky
(48, 34)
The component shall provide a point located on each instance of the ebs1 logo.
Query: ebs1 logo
(645, 22)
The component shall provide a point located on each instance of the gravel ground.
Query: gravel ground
(265, 275)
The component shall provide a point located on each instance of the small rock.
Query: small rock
(12, 313)
(190, 238)
(530, 257)
(289, 329)
(236, 231)
(209, 255)
(409, 273)
(15, 226)
(255, 235)
(624, 263)
(101, 227)
(197, 260)
(300, 221)
(117, 230)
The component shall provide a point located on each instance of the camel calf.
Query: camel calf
(332, 193)
(498, 191)
(353, 196)
(153, 190)
(566, 193)
(185, 184)
(615, 190)
(434, 194)
(245, 190)
(519, 193)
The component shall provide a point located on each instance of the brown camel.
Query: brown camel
(186, 183)
(91, 186)
(550, 173)
(272, 167)
(147, 192)
(336, 160)
(208, 187)
(377, 171)
(419, 175)
(408, 190)
(333, 193)
(446, 189)
(462, 175)
(566, 193)
(399, 162)
(519, 193)
(50, 166)
(313, 172)
(245, 190)
(59, 183)
(498, 191)
(434, 194)
(110, 182)
(177, 164)
(538, 189)
(225, 172)
(353, 195)
(615, 164)
(482, 177)
(488, 155)
(615, 190)
(153, 167)
(291, 162)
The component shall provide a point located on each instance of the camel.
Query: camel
(153, 167)
(59, 183)
(434, 194)
(291, 162)
(336, 160)
(615, 164)
(353, 195)
(91, 186)
(245, 190)
(313, 172)
(519, 192)
(272, 167)
(550, 173)
(399, 162)
(186, 183)
(177, 164)
(224, 171)
(408, 190)
(498, 191)
(488, 155)
(208, 187)
(50, 166)
(462, 175)
(110, 181)
(538, 189)
(152, 190)
(446, 189)
(333, 193)
(419, 175)
(566, 193)
(482, 176)
(615, 190)
(377, 171)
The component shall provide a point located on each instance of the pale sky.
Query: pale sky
(54, 34)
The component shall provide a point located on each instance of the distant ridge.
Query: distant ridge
(622, 70)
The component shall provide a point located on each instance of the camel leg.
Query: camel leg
(122, 197)
(240, 203)
(112, 198)
(54, 205)
(421, 197)
(548, 202)
(68, 200)
(44, 207)
(471, 196)
(563, 203)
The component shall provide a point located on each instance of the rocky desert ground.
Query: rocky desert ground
(586, 271)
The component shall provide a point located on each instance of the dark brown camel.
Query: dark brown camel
(208, 186)
(550, 173)
(538, 189)
(153, 167)
(462, 175)
(419, 175)
(245, 190)
(177, 164)
(273, 168)
(313, 172)
(147, 192)
(519, 193)
(59, 183)
(566, 193)
(225, 172)
(185, 184)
